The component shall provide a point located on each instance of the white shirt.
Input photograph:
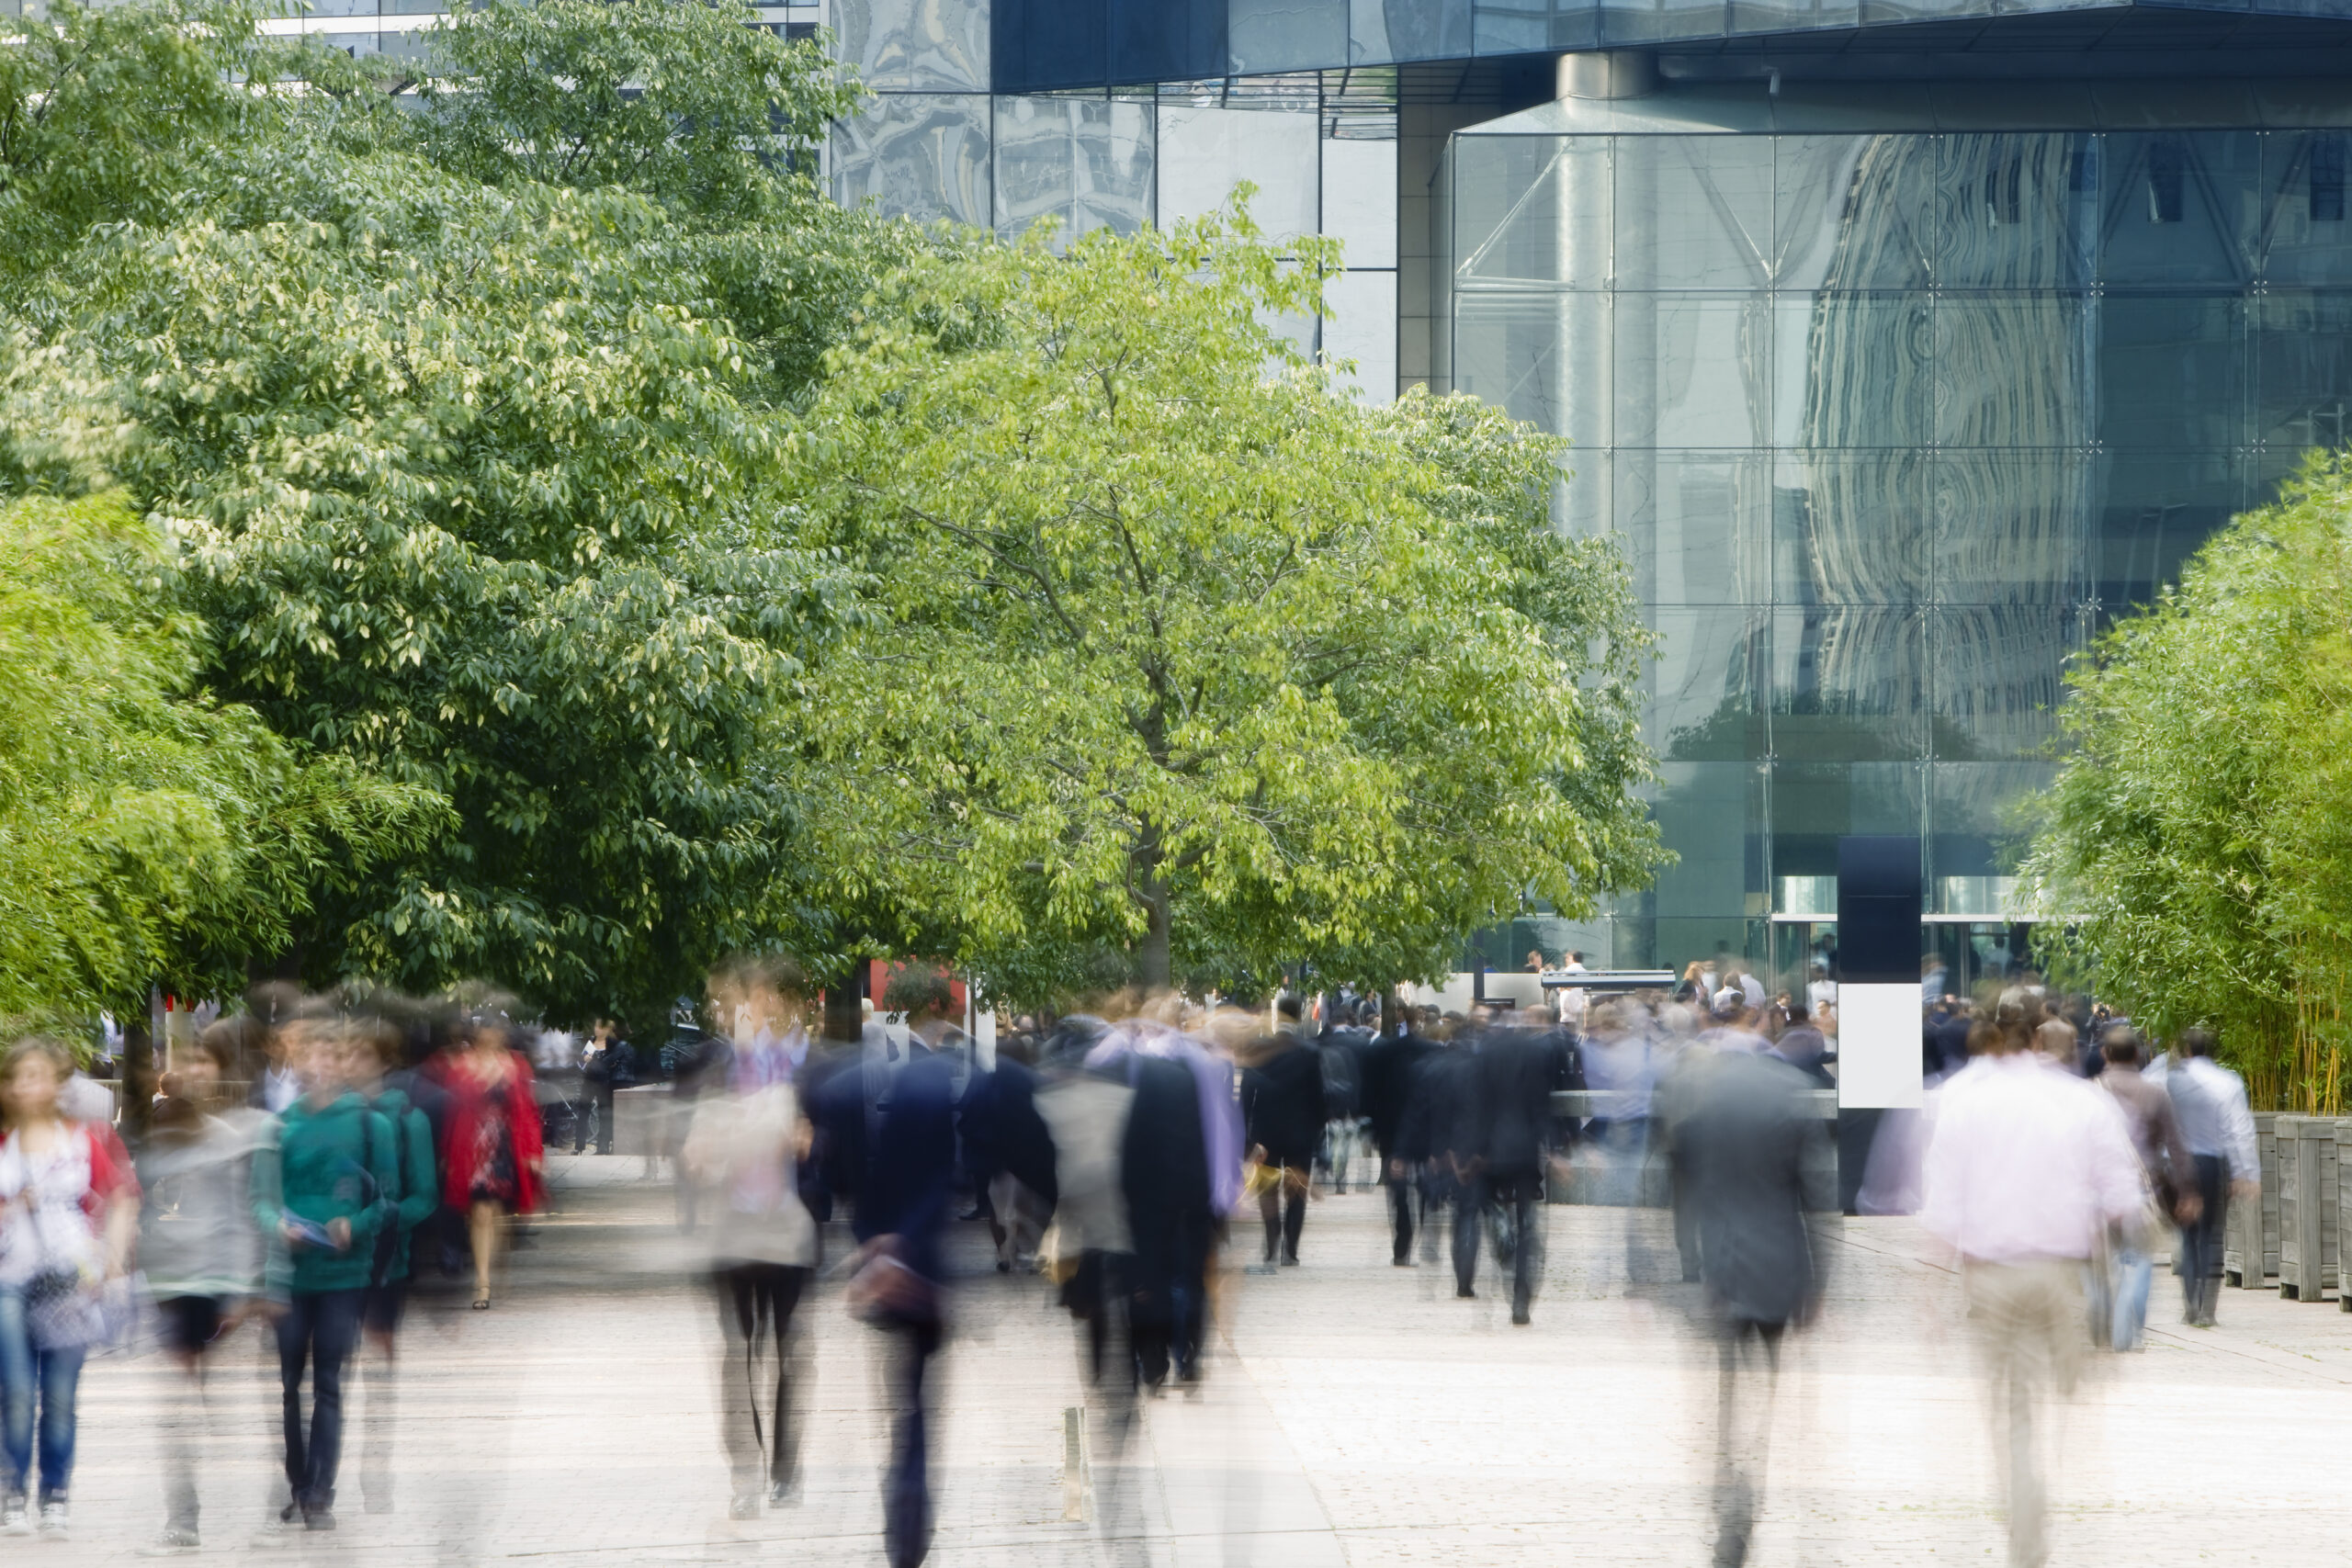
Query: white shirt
(2210, 1100)
(279, 1088)
(2027, 1162)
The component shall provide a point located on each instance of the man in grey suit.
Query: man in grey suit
(1762, 1173)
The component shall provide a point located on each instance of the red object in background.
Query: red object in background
(880, 970)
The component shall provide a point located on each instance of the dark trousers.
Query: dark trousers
(1507, 1201)
(906, 1486)
(757, 1372)
(320, 1328)
(1403, 1191)
(601, 1096)
(2200, 1244)
(1282, 1207)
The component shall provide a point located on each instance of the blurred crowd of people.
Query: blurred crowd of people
(310, 1160)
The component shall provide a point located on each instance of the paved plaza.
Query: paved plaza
(1355, 1415)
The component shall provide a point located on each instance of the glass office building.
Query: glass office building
(1902, 344)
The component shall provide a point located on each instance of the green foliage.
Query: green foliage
(1183, 654)
(103, 111)
(147, 833)
(2199, 844)
(686, 104)
(486, 485)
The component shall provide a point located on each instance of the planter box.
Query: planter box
(2343, 1208)
(2308, 1211)
(2250, 1236)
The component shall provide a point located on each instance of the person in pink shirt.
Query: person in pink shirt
(2027, 1165)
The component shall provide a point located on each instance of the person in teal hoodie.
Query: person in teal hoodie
(322, 1197)
(376, 1047)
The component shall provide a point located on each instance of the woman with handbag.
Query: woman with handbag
(69, 1212)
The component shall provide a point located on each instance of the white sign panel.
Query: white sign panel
(1878, 1047)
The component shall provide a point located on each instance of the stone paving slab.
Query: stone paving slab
(1356, 1416)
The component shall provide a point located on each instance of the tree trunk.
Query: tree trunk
(1153, 969)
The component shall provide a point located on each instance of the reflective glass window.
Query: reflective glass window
(1693, 369)
(1086, 163)
(2172, 371)
(1165, 40)
(2303, 235)
(923, 155)
(1380, 30)
(2012, 368)
(1533, 209)
(1693, 212)
(1998, 677)
(2179, 207)
(2302, 369)
(2018, 211)
(1850, 527)
(1702, 692)
(1850, 682)
(1696, 525)
(918, 45)
(1853, 370)
(1206, 151)
(1286, 35)
(2155, 509)
(2011, 527)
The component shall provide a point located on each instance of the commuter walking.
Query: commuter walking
(904, 1178)
(1760, 1171)
(1283, 1112)
(493, 1153)
(1390, 1063)
(199, 1247)
(69, 1212)
(322, 1195)
(743, 1148)
(2216, 1124)
(2171, 1173)
(2028, 1165)
(374, 1048)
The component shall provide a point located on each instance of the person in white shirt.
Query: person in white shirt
(2218, 1127)
(2026, 1166)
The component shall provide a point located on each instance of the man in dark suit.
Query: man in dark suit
(1761, 1174)
(1389, 1064)
(1509, 1079)
(1282, 1112)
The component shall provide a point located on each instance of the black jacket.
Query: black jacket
(1282, 1102)
(1513, 1069)
(1388, 1066)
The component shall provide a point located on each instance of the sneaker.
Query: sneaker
(173, 1542)
(785, 1495)
(13, 1518)
(54, 1519)
(317, 1519)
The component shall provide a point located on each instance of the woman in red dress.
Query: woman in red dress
(495, 1142)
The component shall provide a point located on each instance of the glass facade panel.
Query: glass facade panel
(916, 45)
(1701, 696)
(1693, 212)
(1206, 151)
(2011, 527)
(2172, 371)
(1850, 683)
(2303, 238)
(2302, 369)
(1360, 200)
(1976, 829)
(1086, 163)
(1533, 209)
(1167, 41)
(1997, 678)
(1382, 30)
(1693, 370)
(1285, 35)
(2154, 509)
(1696, 525)
(923, 155)
(2012, 368)
(2180, 207)
(1651, 21)
(1543, 357)
(2020, 211)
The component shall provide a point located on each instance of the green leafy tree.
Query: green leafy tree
(474, 427)
(1183, 654)
(147, 833)
(2196, 856)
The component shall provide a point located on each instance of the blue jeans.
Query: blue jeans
(30, 1376)
(2128, 1297)
(320, 1328)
